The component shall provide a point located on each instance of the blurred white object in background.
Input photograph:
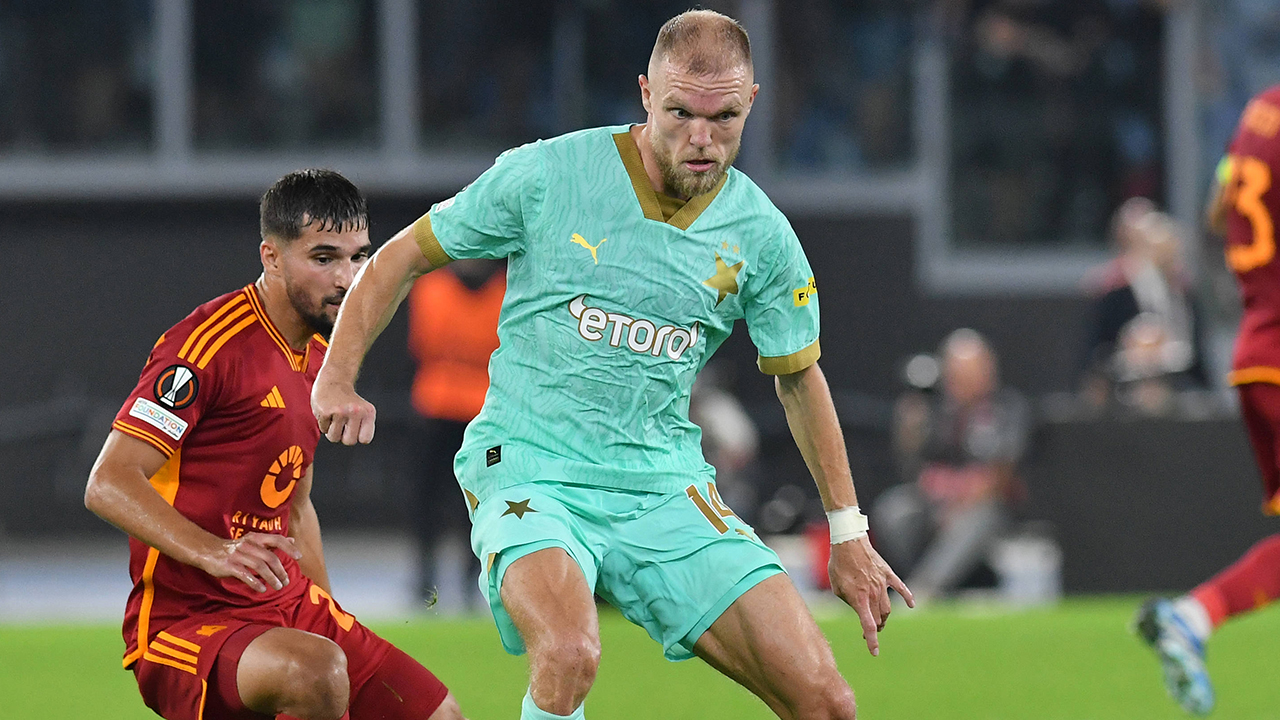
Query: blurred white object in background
(1028, 566)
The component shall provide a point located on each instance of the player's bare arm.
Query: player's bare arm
(858, 575)
(379, 289)
(120, 492)
(304, 528)
(1215, 214)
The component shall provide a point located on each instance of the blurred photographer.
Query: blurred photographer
(961, 447)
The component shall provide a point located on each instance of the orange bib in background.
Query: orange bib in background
(452, 332)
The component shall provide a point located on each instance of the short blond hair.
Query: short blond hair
(703, 42)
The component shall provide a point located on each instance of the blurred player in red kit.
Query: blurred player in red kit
(208, 469)
(1243, 209)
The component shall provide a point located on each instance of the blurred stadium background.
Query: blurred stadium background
(938, 175)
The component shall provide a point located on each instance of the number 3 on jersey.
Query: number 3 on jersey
(1246, 180)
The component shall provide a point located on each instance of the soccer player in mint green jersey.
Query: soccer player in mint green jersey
(632, 250)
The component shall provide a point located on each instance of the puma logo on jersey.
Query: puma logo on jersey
(641, 336)
(579, 240)
(273, 399)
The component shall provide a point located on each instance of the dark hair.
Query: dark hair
(704, 41)
(309, 196)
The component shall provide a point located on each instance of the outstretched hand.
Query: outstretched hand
(861, 578)
(251, 558)
(343, 415)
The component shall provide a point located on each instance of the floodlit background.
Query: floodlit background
(946, 164)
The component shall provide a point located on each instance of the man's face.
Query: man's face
(318, 269)
(695, 123)
(968, 372)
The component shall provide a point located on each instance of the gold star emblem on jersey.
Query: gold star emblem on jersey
(518, 508)
(725, 281)
(579, 240)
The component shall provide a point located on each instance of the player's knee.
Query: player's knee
(825, 697)
(448, 710)
(318, 682)
(840, 703)
(575, 657)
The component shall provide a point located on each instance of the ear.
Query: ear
(645, 95)
(270, 256)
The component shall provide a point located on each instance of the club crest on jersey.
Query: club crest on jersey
(639, 335)
(176, 387)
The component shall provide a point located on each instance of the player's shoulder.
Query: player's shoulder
(580, 145)
(209, 329)
(1260, 122)
(744, 200)
(1270, 96)
(318, 347)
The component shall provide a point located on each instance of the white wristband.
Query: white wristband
(847, 524)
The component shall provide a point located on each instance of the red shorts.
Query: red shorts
(189, 669)
(1260, 405)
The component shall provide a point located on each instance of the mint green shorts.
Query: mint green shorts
(672, 563)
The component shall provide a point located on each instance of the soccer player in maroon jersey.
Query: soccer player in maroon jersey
(1243, 209)
(208, 469)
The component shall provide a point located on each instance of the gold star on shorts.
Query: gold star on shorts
(518, 508)
(725, 280)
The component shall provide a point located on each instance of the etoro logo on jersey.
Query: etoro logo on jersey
(641, 336)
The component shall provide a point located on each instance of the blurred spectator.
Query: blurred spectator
(844, 84)
(289, 74)
(960, 449)
(453, 329)
(75, 75)
(730, 440)
(619, 38)
(1057, 110)
(1144, 325)
(486, 73)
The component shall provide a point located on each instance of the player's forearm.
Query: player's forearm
(304, 528)
(125, 498)
(811, 415)
(377, 291)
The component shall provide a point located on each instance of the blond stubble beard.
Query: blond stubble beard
(686, 183)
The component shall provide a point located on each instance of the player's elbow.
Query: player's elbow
(93, 492)
(790, 385)
(99, 491)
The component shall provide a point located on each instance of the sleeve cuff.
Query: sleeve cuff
(144, 436)
(428, 244)
(787, 364)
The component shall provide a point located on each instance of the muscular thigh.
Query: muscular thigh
(547, 597)
(673, 563)
(768, 642)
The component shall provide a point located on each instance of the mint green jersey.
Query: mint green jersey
(611, 311)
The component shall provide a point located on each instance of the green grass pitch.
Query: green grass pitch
(1075, 662)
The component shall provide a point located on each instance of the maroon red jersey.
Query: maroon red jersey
(228, 402)
(1247, 175)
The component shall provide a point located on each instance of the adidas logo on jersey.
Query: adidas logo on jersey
(273, 399)
(640, 336)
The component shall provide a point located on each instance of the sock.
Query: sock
(1196, 616)
(530, 711)
(1250, 583)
